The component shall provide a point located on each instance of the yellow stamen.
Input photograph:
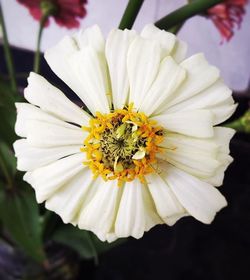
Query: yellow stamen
(122, 145)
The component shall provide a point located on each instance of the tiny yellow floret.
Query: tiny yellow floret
(122, 145)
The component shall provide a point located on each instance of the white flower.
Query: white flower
(149, 152)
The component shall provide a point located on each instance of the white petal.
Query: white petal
(42, 134)
(222, 137)
(200, 199)
(60, 60)
(215, 94)
(166, 39)
(218, 177)
(90, 71)
(30, 158)
(41, 93)
(142, 64)
(180, 51)
(57, 58)
(196, 123)
(200, 75)
(111, 237)
(165, 201)
(195, 156)
(217, 98)
(150, 214)
(222, 113)
(130, 220)
(118, 42)
(68, 201)
(99, 214)
(27, 112)
(169, 78)
(48, 179)
(92, 37)
(152, 218)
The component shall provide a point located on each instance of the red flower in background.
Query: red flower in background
(228, 15)
(65, 12)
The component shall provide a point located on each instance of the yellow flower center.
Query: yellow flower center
(122, 145)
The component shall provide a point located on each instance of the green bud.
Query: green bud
(245, 121)
(242, 124)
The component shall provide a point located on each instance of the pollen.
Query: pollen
(122, 145)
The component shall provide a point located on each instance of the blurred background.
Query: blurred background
(199, 32)
(189, 248)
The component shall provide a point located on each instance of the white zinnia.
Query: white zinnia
(185, 96)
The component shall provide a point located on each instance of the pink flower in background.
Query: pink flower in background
(66, 12)
(228, 15)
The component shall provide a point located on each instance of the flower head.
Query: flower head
(148, 153)
(227, 15)
(65, 12)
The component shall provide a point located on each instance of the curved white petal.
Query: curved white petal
(118, 42)
(27, 112)
(68, 201)
(48, 179)
(111, 237)
(196, 123)
(217, 98)
(195, 156)
(30, 158)
(90, 71)
(222, 112)
(222, 136)
(165, 201)
(169, 78)
(143, 64)
(180, 51)
(57, 58)
(50, 99)
(99, 214)
(200, 76)
(130, 220)
(200, 199)
(152, 218)
(43, 134)
(66, 59)
(92, 37)
(166, 39)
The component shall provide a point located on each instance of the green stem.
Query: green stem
(8, 55)
(130, 14)
(37, 57)
(186, 12)
(175, 30)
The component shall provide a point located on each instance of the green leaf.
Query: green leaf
(6, 94)
(7, 112)
(102, 247)
(7, 123)
(84, 242)
(8, 157)
(78, 240)
(20, 216)
(7, 164)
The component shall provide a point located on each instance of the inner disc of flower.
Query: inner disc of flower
(122, 145)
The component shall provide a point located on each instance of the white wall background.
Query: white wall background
(232, 58)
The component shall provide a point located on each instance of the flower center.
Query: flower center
(122, 145)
